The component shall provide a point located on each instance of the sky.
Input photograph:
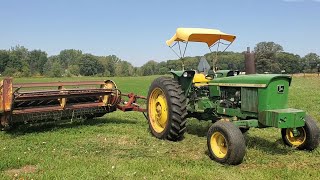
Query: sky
(136, 31)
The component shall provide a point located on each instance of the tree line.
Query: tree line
(19, 62)
(270, 57)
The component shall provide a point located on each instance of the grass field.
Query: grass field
(119, 146)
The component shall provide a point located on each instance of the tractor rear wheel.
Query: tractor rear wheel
(167, 109)
(307, 138)
(226, 143)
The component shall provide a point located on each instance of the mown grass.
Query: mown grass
(119, 146)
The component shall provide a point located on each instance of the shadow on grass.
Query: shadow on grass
(65, 124)
(254, 142)
(199, 129)
(263, 145)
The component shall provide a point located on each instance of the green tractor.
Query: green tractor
(234, 103)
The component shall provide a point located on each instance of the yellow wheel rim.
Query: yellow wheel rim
(219, 145)
(108, 85)
(158, 110)
(296, 140)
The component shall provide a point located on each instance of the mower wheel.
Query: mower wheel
(307, 138)
(167, 109)
(226, 143)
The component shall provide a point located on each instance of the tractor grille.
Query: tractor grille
(249, 99)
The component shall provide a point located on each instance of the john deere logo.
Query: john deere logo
(280, 88)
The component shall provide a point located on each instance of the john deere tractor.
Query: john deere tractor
(234, 103)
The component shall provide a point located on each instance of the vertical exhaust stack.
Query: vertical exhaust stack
(250, 66)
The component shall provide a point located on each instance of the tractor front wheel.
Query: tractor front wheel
(306, 138)
(167, 109)
(226, 143)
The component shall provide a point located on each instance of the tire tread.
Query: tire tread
(177, 107)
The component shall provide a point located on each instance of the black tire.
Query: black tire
(176, 109)
(311, 135)
(234, 143)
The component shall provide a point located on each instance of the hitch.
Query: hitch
(131, 104)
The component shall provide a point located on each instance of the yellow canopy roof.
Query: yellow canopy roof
(209, 36)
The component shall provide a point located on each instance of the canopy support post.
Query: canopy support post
(181, 57)
(185, 48)
(227, 47)
(174, 52)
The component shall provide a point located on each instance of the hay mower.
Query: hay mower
(47, 103)
(234, 103)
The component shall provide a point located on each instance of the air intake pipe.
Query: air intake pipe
(250, 66)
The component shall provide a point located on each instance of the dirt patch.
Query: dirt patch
(22, 170)
(122, 140)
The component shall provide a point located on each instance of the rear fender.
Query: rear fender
(184, 78)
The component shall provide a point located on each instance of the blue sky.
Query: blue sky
(136, 30)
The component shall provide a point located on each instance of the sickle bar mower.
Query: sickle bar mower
(33, 103)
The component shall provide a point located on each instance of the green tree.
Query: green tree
(90, 65)
(53, 68)
(162, 68)
(18, 56)
(228, 60)
(267, 50)
(4, 58)
(70, 57)
(127, 68)
(111, 63)
(74, 70)
(36, 61)
(56, 70)
(310, 61)
(149, 68)
(137, 71)
(289, 62)
(191, 62)
(174, 65)
(9, 71)
(265, 53)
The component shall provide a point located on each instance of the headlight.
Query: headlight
(185, 74)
